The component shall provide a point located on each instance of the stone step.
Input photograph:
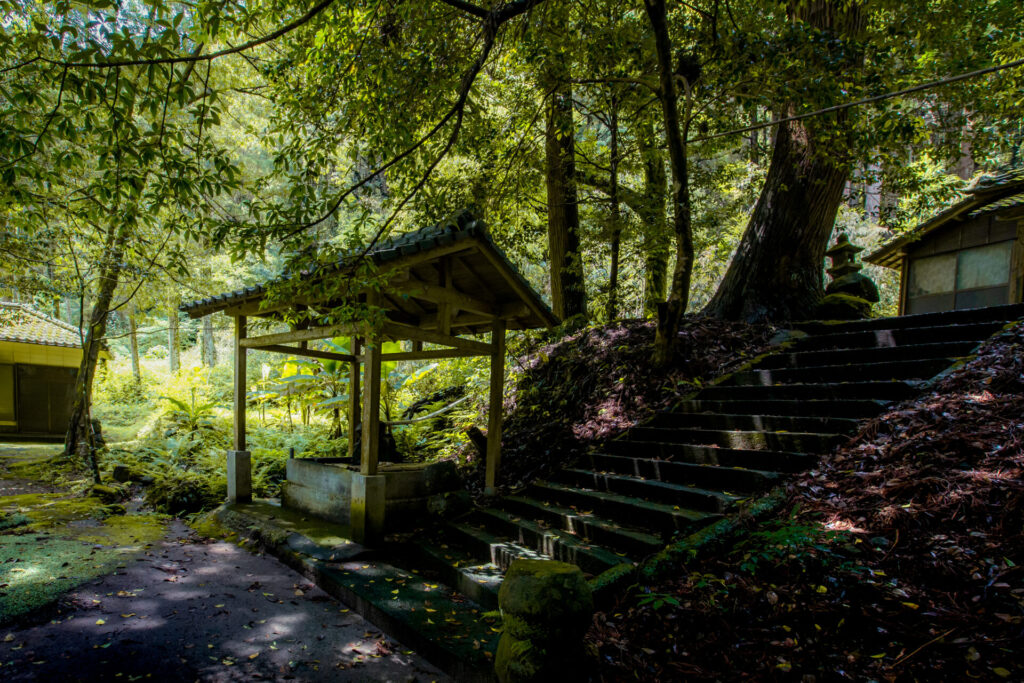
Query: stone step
(444, 558)
(799, 442)
(884, 391)
(665, 519)
(686, 473)
(772, 423)
(898, 337)
(1006, 313)
(765, 461)
(690, 497)
(922, 368)
(585, 525)
(516, 532)
(882, 354)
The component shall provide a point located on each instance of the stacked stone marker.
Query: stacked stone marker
(546, 609)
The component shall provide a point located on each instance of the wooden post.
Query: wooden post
(353, 399)
(494, 413)
(240, 384)
(239, 461)
(371, 409)
(444, 308)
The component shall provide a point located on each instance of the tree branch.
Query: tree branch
(274, 35)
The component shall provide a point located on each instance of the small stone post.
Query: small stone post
(546, 608)
(239, 477)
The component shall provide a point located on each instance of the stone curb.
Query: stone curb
(365, 584)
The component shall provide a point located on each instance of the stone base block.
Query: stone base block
(239, 477)
(367, 512)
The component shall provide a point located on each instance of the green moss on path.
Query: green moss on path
(62, 540)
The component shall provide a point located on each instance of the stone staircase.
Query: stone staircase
(686, 468)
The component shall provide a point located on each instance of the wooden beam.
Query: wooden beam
(430, 354)
(434, 322)
(522, 290)
(354, 416)
(494, 411)
(298, 335)
(442, 295)
(240, 385)
(444, 308)
(371, 411)
(310, 353)
(399, 331)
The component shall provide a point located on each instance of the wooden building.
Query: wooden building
(444, 286)
(39, 358)
(970, 255)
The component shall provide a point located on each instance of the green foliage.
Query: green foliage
(193, 415)
(177, 492)
(792, 538)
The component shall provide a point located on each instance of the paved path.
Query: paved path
(191, 609)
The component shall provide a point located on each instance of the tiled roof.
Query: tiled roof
(459, 227)
(1012, 201)
(988, 194)
(22, 323)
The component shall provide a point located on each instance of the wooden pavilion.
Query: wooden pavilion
(441, 286)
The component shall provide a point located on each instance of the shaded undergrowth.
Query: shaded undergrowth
(592, 385)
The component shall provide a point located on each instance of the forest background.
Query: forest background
(624, 156)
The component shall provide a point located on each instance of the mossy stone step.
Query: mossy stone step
(707, 476)
(885, 391)
(1005, 313)
(690, 497)
(467, 570)
(919, 369)
(554, 543)
(898, 336)
(584, 524)
(667, 519)
(880, 354)
(799, 442)
(771, 423)
(765, 461)
(829, 407)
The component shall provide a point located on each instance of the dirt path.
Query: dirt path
(185, 609)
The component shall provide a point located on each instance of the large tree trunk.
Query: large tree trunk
(671, 313)
(776, 273)
(568, 294)
(79, 437)
(656, 235)
(133, 344)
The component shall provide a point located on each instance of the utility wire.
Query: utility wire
(866, 100)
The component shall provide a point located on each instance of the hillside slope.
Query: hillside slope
(900, 557)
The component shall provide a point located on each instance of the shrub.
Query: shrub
(178, 493)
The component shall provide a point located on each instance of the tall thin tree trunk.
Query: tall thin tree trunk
(133, 343)
(656, 235)
(79, 435)
(173, 339)
(616, 217)
(776, 273)
(568, 293)
(209, 349)
(671, 313)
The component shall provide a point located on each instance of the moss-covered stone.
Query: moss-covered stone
(842, 307)
(546, 590)
(546, 607)
(108, 494)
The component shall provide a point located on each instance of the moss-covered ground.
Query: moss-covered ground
(53, 541)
